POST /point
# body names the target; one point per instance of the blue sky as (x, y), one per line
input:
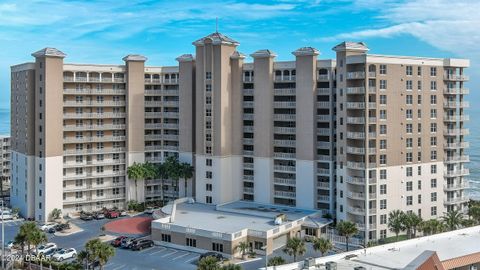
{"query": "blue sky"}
(105, 31)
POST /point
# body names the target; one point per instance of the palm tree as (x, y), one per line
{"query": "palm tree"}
(162, 174)
(104, 253)
(295, 246)
(187, 171)
(322, 244)
(347, 229)
(411, 223)
(396, 222)
(26, 229)
(82, 257)
(452, 219)
(274, 261)
(474, 212)
(56, 213)
(136, 171)
(173, 169)
(21, 240)
(36, 238)
(208, 263)
(243, 247)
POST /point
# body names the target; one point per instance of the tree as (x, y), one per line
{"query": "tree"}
(136, 172)
(295, 247)
(187, 171)
(431, 226)
(322, 244)
(474, 213)
(208, 263)
(20, 240)
(243, 247)
(396, 222)
(412, 223)
(26, 232)
(82, 257)
(36, 238)
(452, 219)
(56, 213)
(162, 174)
(97, 250)
(274, 261)
(347, 229)
(231, 267)
(173, 169)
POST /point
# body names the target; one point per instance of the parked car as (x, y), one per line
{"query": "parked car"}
(86, 216)
(46, 226)
(65, 254)
(112, 214)
(5, 214)
(218, 256)
(50, 253)
(141, 244)
(127, 242)
(9, 244)
(98, 215)
(149, 210)
(52, 230)
(117, 241)
(42, 249)
(123, 213)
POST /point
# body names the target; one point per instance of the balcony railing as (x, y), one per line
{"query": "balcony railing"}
(284, 117)
(456, 132)
(93, 139)
(283, 155)
(93, 127)
(323, 77)
(455, 173)
(284, 181)
(455, 91)
(284, 130)
(455, 77)
(94, 91)
(283, 92)
(286, 194)
(284, 168)
(456, 104)
(456, 145)
(93, 115)
(456, 200)
(356, 75)
(285, 143)
(355, 90)
(455, 118)
(457, 158)
(73, 103)
(454, 187)
(284, 104)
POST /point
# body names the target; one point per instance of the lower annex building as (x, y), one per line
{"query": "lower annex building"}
(356, 137)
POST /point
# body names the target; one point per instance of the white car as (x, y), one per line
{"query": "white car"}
(47, 226)
(5, 214)
(64, 254)
(46, 248)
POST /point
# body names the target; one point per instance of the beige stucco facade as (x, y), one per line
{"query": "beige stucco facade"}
(305, 133)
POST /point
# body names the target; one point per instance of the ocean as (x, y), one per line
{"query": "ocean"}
(473, 138)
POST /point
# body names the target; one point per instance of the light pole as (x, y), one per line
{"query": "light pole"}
(266, 256)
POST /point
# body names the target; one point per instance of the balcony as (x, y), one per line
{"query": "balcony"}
(247, 128)
(359, 165)
(248, 92)
(149, 92)
(248, 116)
(356, 105)
(456, 118)
(248, 104)
(170, 126)
(248, 178)
(356, 120)
(455, 77)
(93, 115)
(94, 151)
(285, 194)
(92, 79)
(284, 117)
(153, 137)
(153, 126)
(284, 155)
(247, 153)
(355, 75)
(85, 163)
(152, 148)
(456, 145)
(171, 92)
(153, 159)
(171, 81)
(356, 211)
(247, 141)
(456, 158)
(284, 143)
(93, 139)
(171, 103)
(284, 78)
(74, 91)
(362, 227)
(248, 79)
(284, 92)
(284, 168)
(248, 190)
(355, 90)
(153, 114)
(323, 185)
(248, 165)
(324, 145)
(456, 132)
(456, 200)
(456, 173)
(455, 187)
(151, 103)
(359, 180)
(360, 150)
(171, 115)
(323, 198)
(456, 91)
(170, 147)
(93, 127)
(323, 77)
(456, 104)
(324, 131)
(284, 181)
(170, 137)
(324, 158)
(95, 103)
(323, 171)
(324, 104)
(324, 118)
(284, 130)
(323, 91)
(284, 104)
(69, 176)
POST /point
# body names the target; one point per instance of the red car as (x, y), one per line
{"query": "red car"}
(112, 214)
(117, 241)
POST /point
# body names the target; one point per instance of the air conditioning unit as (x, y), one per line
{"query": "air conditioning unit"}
(308, 262)
(331, 266)
(359, 268)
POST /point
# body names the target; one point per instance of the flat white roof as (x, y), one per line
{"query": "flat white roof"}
(398, 255)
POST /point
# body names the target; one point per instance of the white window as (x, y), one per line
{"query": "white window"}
(433, 141)
(409, 142)
(383, 144)
(409, 128)
(409, 85)
(409, 200)
(409, 70)
(433, 71)
(409, 157)
(433, 169)
(383, 204)
(433, 155)
(383, 100)
(383, 159)
(409, 186)
(433, 85)
(383, 129)
(433, 197)
(433, 211)
(409, 99)
(383, 174)
(409, 171)
(433, 127)
(383, 219)
(383, 189)
(383, 114)
(409, 114)
(433, 99)
(433, 113)
(433, 183)
(419, 85)
(383, 69)
(383, 84)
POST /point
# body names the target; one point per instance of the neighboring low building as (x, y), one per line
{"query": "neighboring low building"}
(5, 167)
(185, 224)
(459, 250)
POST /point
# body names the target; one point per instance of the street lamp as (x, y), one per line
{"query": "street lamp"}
(266, 256)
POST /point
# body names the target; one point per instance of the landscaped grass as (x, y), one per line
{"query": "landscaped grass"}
(393, 239)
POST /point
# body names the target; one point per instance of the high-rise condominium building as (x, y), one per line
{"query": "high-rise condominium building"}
(356, 137)
(4, 167)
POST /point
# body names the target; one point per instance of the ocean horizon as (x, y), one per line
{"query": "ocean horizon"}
(473, 151)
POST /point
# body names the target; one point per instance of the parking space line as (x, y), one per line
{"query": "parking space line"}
(191, 259)
(181, 256)
(122, 266)
(158, 251)
(168, 254)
